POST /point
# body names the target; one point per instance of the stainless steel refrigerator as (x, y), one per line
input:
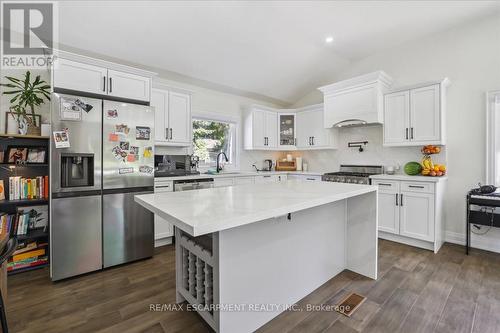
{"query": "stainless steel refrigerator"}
(101, 156)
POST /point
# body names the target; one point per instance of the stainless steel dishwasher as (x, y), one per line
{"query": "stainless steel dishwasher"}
(193, 184)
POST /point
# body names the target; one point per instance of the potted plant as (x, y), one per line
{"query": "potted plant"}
(27, 95)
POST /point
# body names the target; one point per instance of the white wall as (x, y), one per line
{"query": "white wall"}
(43, 110)
(470, 56)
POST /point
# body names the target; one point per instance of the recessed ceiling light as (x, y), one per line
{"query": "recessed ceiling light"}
(329, 39)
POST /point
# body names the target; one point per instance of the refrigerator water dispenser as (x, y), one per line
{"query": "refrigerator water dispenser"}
(77, 170)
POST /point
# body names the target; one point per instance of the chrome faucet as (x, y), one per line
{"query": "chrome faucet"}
(218, 167)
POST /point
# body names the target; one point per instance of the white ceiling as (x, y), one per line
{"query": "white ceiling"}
(274, 49)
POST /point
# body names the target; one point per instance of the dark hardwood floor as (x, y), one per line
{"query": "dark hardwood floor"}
(417, 291)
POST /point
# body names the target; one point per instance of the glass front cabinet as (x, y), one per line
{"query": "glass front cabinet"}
(287, 130)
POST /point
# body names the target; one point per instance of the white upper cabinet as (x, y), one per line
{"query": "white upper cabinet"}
(355, 101)
(415, 116)
(270, 129)
(261, 129)
(425, 115)
(77, 76)
(126, 85)
(396, 113)
(159, 100)
(310, 132)
(179, 117)
(172, 117)
(100, 79)
(287, 130)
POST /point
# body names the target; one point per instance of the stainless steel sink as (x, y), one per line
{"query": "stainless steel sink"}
(223, 173)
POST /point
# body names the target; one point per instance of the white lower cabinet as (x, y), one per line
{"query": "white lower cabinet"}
(410, 212)
(417, 215)
(223, 182)
(243, 180)
(163, 229)
(307, 178)
(266, 179)
(388, 203)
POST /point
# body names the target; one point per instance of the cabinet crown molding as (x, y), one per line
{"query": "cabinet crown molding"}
(443, 82)
(102, 63)
(370, 78)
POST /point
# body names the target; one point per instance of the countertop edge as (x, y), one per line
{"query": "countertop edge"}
(252, 218)
(427, 179)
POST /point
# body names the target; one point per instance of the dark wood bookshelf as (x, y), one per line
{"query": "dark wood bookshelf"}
(24, 202)
(27, 269)
(20, 136)
(33, 235)
(27, 170)
(24, 165)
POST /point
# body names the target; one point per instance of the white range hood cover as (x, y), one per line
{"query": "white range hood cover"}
(357, 101)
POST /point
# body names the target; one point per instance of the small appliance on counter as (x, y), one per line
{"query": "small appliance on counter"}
(175, 165)
(355, 174)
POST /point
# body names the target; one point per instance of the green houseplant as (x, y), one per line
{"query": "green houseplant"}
(26, 96)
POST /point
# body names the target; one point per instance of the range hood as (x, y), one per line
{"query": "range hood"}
(358, 101)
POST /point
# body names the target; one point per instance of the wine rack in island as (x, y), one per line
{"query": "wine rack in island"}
(24, 199)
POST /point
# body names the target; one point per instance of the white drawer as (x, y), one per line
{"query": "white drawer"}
(387, 185)
(223, 182)
(417, 187)
(243, 180)
(163, 186)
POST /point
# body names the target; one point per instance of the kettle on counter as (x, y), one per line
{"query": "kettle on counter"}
(268, 165)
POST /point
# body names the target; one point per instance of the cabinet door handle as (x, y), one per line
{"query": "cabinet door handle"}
(310, 179)
(110, 84)
(312, 140)
(401, 200)
(384, 184)
(415, 186)
(397, 199)
(309, 141)
(166, 133)
(295, 141)
(104, 83)
(171, 131)
(407, 133)
(411, 133)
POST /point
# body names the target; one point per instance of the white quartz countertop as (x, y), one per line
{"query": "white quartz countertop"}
(410, 178)
(205, 211)
(242, 174)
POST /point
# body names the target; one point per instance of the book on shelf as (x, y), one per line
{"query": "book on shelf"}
(21, 188)
(21, 223)
(30, 262)
(30, 254)
(23, 247)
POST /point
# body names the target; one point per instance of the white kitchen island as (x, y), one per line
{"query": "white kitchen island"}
(246, 253)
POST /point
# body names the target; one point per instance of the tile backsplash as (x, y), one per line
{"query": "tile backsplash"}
(374, 152)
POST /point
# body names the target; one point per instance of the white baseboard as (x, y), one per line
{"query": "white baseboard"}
(163, 241)
(488, 242)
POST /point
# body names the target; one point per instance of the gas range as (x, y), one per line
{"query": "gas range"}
(354, 174)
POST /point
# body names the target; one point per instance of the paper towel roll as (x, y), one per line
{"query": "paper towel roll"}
(298, 163)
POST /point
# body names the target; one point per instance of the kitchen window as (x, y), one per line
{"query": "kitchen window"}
(210, 137)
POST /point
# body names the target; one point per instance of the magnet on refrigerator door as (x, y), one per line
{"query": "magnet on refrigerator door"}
(142, 133)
